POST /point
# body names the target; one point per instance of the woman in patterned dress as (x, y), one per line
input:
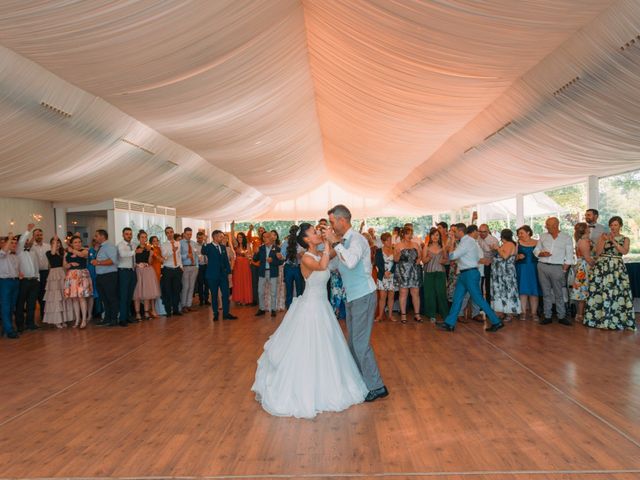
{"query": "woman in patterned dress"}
(77, 284)
(407, 257)
(610, 305)
(580, 287)
(505, 298)
(386, 267)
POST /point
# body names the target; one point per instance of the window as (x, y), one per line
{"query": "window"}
(620, 195)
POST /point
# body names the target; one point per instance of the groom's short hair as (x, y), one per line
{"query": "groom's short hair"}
(340, 211)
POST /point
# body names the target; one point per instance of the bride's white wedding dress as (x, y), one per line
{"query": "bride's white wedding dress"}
(306, 367)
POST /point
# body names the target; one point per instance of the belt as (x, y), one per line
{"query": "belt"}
(31, 278)
(552, 264)
(467, 269)
(125, 268)
(10, 278)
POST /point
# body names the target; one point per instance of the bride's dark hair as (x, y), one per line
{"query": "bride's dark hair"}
(302, 235)
(292, 243)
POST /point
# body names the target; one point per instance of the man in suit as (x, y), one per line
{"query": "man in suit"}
(270, 259)
(217, 274)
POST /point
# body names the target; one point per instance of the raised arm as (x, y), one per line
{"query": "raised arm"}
(310, 264)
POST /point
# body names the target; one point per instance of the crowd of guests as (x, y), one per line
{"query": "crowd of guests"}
(455, 271)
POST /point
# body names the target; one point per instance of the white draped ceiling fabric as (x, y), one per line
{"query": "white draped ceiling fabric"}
(279, 108)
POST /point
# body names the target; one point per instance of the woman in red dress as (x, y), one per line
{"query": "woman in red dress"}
(242, 283)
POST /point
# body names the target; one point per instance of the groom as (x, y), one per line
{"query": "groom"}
(355, 268)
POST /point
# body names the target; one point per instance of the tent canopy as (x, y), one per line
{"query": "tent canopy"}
(279, 108)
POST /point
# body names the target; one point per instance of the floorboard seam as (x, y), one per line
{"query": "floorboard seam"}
(68, 387)
(349, 475)
(558, 389)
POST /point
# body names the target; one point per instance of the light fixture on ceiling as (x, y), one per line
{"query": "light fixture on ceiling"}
(566, 86)
(57, 110)
(630, 43)
(133, 144)
(497, 131)
(172, 164)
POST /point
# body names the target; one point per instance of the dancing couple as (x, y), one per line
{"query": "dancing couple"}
(308, 366)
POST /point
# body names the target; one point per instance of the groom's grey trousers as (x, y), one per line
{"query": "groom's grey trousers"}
(360, 313)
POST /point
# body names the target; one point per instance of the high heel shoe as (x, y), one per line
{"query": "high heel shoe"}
(83, 324)
(418, 319)
(403, 318)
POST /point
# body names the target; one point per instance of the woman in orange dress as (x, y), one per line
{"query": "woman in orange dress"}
(242, 281)
(156, 260)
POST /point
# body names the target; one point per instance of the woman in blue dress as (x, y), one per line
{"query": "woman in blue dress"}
(527, 271)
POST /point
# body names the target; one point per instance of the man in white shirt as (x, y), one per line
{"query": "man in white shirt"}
(555, 255)
(127, 278)
(468, 256)
(488, 243)
(9, 283)
(29, 282)
(40, 247)
(171, 280)
(595, 229)
(354, 255)
(189, 255)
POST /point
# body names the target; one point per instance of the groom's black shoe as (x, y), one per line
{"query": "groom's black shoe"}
(229, 316)
(495, 327)
(260, 313)
(446, 327)
(377, 393)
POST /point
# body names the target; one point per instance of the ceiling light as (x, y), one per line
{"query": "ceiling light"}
(146, 150)
(566, 86)
(57, 110)
(497, 131)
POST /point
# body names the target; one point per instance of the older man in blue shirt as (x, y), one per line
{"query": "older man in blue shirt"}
(106, 264)
(468, 256)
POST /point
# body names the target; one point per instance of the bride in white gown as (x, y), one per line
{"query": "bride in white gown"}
(306, 367)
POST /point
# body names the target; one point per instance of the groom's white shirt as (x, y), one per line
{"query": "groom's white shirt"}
(358, 249)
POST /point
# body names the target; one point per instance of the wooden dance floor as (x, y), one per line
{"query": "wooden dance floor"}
(171, 398)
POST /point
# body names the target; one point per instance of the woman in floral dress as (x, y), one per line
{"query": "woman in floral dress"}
(386, 267)
(580, 287)
(505, 298)
(610, 305)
